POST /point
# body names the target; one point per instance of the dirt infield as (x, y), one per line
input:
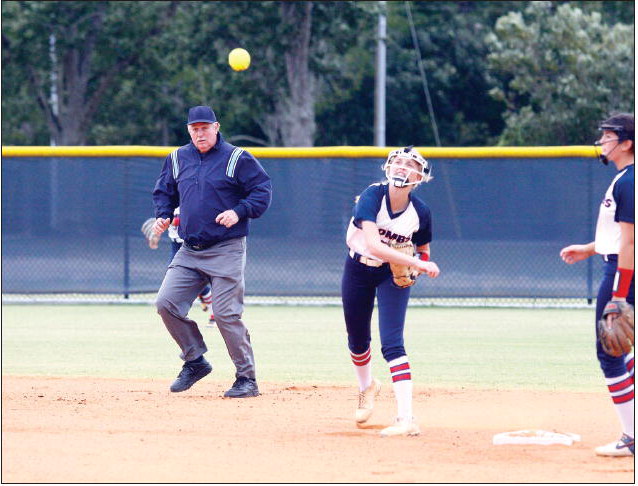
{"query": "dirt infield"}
(99, 430)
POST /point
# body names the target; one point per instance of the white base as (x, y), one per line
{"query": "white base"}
(537, 437)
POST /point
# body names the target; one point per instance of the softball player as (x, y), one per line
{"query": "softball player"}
(385, 212)
(615, 242)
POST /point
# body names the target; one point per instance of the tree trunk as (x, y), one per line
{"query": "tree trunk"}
(293, 123)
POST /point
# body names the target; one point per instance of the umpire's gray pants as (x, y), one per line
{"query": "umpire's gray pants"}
(223, 266)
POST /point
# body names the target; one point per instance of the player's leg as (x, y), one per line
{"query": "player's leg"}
(205, 298)
(393, 304)
(618, 374)
(358, 288)
(174, 299)
(206, 301)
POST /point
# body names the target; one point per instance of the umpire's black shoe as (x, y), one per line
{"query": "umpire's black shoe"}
(243, 388)
(190, 374)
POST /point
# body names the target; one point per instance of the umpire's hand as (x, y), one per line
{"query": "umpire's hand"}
(227, 218)
(161, 225)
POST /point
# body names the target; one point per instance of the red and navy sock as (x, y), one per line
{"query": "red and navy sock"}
(363, 368)
(402, 386)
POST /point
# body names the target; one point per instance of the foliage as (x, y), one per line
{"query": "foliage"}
(450, 39)
(94, 45)
(559, 71)
(127, 71)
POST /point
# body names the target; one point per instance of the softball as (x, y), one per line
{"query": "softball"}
(239, 59)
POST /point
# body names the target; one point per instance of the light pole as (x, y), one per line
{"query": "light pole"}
(379, 85)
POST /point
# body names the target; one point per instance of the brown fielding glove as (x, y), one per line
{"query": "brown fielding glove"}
(151, 238)
(403, 275)
(617, 338)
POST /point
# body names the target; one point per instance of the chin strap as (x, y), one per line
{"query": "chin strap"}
(398, 182)
(602, 157)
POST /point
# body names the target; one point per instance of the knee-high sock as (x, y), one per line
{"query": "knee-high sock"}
(402, 386)
(207, 296)
(363, 367)
(621, 389)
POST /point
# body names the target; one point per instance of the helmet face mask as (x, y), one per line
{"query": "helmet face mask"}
(398, 180)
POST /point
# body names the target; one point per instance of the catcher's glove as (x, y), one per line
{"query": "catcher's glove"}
(151, 238)
(617, 337)
(403, 275)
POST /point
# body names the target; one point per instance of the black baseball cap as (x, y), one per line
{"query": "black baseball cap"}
(201, 114)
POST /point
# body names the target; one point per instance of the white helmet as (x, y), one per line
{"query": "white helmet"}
(402, 181)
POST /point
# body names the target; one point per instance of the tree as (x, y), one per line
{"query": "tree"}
(300, 62)
(450, 40)
(85, 46)
(127, 75)
(150, 70)
(559, 70)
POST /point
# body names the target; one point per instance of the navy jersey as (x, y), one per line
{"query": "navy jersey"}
(413, 224)
(616, 206)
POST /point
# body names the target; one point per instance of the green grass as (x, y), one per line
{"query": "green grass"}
(447, 347)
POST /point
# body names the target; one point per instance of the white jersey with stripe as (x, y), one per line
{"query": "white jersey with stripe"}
(412, 224)
(172, 229)
(607, 240)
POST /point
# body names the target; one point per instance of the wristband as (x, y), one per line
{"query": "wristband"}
(424, 256)
(622, 282)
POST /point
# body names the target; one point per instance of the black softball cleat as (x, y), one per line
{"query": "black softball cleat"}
(191, 373)
(243, 388)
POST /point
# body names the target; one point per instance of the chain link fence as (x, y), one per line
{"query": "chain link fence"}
(71, 227)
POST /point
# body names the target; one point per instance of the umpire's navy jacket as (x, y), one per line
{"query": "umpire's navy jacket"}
(204, 185)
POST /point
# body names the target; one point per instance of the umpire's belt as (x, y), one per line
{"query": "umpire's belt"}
(198, 247)
(365, 260)
(610, 258)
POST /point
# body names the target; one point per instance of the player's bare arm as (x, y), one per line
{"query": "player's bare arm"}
(625, 263)
(161, 225)
(424, 256)
(424, 250)
(576, 253)
(387, 254)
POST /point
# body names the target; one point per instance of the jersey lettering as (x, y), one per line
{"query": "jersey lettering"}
(373, 205)
(393, 236)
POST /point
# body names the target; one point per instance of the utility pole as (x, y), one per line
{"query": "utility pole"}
(380, 75)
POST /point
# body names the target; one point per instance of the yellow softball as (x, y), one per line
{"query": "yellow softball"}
(239, 59)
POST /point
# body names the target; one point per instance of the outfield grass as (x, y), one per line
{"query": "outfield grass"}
(447, 347)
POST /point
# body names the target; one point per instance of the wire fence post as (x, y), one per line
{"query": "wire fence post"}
(590, 224)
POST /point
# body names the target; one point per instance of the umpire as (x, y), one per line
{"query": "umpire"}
(218, 187)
